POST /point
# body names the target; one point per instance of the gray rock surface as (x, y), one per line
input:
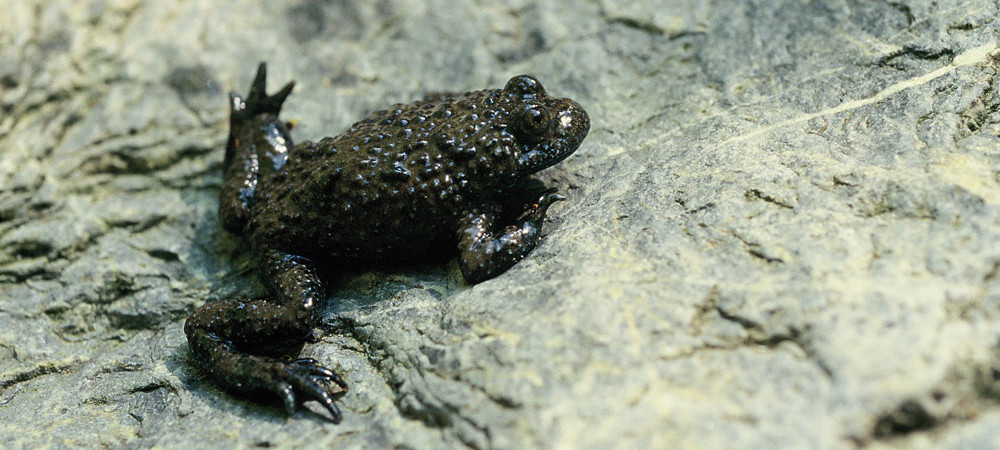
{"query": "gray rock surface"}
(782, 232)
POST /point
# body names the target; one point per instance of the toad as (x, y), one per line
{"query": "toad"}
(403, 183)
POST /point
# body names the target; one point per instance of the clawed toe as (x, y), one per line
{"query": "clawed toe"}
(548, 197)
(287, 397)
(538, 209)
(312, 367)
(320, 394)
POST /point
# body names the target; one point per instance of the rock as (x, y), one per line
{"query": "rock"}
(783, 230)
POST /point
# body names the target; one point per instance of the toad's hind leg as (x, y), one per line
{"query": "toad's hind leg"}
(248, 346)
(258, 143)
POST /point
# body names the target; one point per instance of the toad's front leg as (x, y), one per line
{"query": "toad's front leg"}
(486, 252)
(248, 346)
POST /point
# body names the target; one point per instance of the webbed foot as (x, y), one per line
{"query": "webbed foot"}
(257, 101)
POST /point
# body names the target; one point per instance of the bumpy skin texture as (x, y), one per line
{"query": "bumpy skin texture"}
(402, 183)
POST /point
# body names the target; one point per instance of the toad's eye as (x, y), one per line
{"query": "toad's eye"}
(532, 121)
(524, 86)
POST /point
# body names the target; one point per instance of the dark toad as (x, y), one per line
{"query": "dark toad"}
(402, 183)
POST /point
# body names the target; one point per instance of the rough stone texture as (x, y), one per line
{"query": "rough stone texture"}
(783, 230)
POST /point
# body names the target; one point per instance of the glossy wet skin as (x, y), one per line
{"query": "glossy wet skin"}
(415, 179)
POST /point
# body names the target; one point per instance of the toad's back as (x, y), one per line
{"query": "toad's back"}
(393, 185)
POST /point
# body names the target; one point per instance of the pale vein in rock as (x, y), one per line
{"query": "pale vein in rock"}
(969, 57)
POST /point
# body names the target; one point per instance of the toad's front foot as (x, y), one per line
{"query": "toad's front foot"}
(486, 253)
